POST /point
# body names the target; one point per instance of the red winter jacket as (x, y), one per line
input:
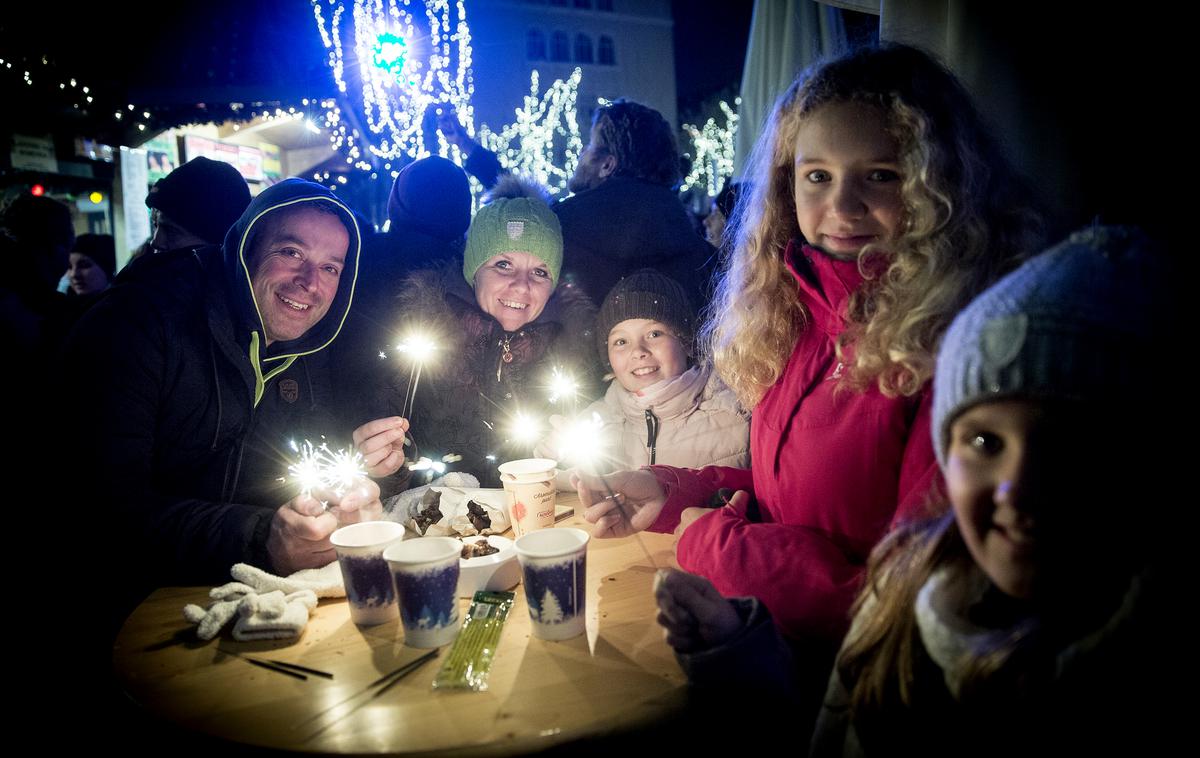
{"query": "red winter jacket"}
(832, 470)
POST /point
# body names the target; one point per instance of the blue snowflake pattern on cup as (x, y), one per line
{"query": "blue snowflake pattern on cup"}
(368, 581)
(556, 593)
(428, 598)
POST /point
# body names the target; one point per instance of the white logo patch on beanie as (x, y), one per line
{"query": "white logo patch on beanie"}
(516, 229)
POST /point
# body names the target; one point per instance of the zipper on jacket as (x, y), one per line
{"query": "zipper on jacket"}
(506, 355)
(651, 433)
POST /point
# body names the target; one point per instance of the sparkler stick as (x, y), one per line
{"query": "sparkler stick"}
(418, 347)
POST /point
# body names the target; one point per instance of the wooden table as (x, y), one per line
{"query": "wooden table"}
(619, 676)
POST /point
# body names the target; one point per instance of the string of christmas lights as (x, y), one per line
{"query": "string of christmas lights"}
(394, 61)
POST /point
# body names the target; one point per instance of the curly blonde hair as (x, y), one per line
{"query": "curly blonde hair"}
(966, 221)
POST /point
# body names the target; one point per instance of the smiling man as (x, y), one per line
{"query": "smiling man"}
(208, 368)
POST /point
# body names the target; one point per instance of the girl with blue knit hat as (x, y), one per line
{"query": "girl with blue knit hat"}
(1018, 616)
(501, 325)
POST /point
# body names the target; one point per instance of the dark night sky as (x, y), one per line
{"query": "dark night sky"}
(270, 49)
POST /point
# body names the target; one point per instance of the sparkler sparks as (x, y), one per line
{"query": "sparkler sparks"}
(580, 442)
(418, 348)
(562, 386)
(318, 467)
(525, 429)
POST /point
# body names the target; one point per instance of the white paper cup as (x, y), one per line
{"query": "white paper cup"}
(369, 587)
(554, 565)
(529, 486)
(425, 572)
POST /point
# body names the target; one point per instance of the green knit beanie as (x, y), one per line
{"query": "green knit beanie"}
(514, 224)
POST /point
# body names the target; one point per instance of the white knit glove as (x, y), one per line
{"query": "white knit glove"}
(322, 582)
(273, 616)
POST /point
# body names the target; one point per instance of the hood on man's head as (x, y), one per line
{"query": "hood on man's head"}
(290, 194)
(203, 196)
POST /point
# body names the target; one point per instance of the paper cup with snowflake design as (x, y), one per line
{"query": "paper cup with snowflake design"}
(369, 587)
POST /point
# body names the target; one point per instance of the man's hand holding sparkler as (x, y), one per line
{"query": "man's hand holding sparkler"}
(381, 444)
(300, 529)
(641, 500)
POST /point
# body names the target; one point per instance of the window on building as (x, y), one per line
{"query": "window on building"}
(604, 5)
(608, 55)
(583, 48)
(560, 47)
(535, 45)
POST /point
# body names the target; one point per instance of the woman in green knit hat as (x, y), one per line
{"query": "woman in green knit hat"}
(502, 326)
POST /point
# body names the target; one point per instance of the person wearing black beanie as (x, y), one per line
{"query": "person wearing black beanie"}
(93, 260)
(196, 204)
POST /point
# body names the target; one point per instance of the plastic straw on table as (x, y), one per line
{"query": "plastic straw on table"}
(470, 658)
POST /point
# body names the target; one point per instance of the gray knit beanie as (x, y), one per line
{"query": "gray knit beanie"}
(650, 295)
(1075, 322)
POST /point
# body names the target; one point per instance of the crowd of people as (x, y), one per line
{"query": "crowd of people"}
(869, 407)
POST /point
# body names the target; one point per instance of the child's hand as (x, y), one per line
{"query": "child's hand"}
(641, 499)
(693, 614)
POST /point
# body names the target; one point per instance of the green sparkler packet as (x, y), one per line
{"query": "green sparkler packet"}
(470, 658)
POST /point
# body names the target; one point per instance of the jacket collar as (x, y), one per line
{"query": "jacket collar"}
(825, 284)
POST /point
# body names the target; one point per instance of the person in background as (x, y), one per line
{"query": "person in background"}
(624, 214)
(92, 262)
(724, 206)
(190, 208)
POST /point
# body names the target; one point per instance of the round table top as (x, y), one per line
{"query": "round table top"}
(620, 675)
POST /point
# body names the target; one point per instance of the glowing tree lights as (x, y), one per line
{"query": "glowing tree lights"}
(392, 59)
(713, 151)
(544, 141)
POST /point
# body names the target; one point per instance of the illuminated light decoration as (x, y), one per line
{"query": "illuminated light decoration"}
(390, 64)
(37, 190)
(712, 153)
(544, 142)
(96, 198)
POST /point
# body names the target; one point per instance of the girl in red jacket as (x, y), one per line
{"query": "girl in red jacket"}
(880, 206)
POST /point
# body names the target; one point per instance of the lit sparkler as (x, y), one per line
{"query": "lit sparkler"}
(318, 467)
(524, 428)
(418, 348)
(581, 443)
(562, 386)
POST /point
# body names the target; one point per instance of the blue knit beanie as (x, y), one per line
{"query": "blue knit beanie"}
(1075, 322)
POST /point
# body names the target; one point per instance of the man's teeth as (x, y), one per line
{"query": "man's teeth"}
(645, 370)
(294, 304)
(511, 304)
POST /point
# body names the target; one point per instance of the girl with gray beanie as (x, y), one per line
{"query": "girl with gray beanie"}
(1018, 617)
(1023, 611)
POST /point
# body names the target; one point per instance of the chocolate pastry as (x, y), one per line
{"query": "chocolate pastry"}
(429, 511)
(478, 549)
(478, 516)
